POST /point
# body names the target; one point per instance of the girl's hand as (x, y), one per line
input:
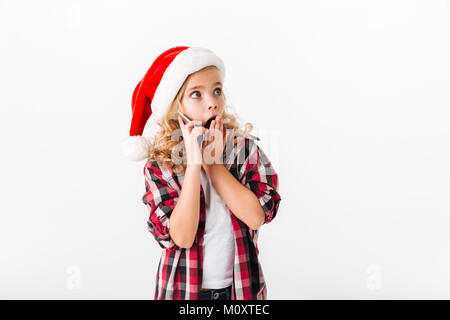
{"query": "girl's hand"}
(191, 132)
(213, 150)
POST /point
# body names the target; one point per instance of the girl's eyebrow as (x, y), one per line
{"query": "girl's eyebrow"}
(198, 87)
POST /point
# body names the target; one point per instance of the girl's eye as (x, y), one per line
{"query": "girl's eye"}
(220, 91)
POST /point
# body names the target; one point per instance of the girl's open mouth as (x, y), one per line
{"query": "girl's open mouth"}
(208, 123)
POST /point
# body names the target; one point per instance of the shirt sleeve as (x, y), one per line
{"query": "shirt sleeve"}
(261, 178)
(160, 198)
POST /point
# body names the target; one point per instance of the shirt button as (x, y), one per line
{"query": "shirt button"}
(216, 295)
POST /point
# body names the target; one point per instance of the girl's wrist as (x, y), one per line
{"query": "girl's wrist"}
(193, 166)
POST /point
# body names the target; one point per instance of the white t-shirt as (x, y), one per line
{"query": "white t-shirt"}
(218, 241)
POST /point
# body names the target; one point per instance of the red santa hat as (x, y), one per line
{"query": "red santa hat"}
(154, 94)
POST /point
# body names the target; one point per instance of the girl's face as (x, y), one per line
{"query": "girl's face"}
(203, 97)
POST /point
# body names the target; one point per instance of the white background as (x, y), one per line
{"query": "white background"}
(351, 99)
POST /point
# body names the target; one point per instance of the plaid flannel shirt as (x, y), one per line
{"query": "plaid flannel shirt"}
(179, 274)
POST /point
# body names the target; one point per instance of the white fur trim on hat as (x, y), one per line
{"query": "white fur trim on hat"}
(135, 148)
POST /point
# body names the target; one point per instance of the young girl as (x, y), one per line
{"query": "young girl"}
(209, 187)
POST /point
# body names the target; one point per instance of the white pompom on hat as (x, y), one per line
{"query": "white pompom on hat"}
(154, 94)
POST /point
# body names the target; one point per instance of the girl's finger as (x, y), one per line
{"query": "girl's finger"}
(182, 126)
(191, 124)
(212, 130)
(219, 123)
(219, 128)
(216, 124)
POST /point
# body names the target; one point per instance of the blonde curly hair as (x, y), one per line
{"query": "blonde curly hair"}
(162, 144)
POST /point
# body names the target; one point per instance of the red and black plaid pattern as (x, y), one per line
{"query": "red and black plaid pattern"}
(179, 273)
